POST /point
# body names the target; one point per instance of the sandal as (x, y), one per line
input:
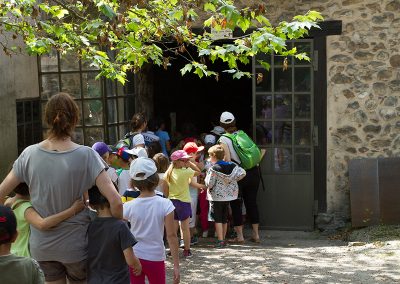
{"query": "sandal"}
(236, 241)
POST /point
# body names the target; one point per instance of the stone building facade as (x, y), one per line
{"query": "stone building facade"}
(363, 87)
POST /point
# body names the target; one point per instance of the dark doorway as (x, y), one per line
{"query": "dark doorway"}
(201, 101)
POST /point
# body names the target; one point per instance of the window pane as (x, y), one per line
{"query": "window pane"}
(77, 136)
(37, 134)
(48, 62)
(79, 103)
(283, 133)
(283, 159)
(112, 111)
(93, 135)
(21, 139)
(264, 107)
(28, 111)
(113, 134)
(263, 81)
(283, 106)
(278, 59)
(302, 160)
(50, 86)
(122, 130)
(110, 88)
(20, 112)
(120, 89)
(86, 65)
(69, 62)
(302, 133)
(264, 132)
(283, 80)
(36, 110)
(93, 112)
(28, 134)
(71, 84)
(91, 86)
(43, 113)
(303, 47)
(121, 109)
(302, 79)
(302, 106)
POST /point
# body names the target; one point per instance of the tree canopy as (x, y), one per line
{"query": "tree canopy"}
(149, 31)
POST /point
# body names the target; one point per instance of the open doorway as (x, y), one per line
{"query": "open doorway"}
(201, 101)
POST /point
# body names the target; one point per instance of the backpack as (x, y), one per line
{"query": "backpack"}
(246, 149)
(126, 141)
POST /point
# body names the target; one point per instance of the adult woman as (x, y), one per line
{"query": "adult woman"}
(248, 186)
(58, 172)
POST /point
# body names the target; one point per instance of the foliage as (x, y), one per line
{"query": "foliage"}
(142, 31)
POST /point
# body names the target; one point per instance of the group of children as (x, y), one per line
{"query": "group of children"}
(160, 196)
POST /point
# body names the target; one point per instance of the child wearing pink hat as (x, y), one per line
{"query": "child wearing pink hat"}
(178, 177)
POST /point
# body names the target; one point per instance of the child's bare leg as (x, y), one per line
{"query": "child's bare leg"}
(186, 233)
(220, 233)
(224, 230)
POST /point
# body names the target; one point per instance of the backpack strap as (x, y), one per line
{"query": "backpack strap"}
(230, 136)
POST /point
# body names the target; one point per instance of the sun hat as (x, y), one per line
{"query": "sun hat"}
(192, 147)
(8, 224)
(226, 117)
(209, 139)
(218, 130)
(101, 148)
(142, 168)
(138, 152)
(179, 155)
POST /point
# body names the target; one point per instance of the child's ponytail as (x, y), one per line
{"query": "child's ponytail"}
(168, 173)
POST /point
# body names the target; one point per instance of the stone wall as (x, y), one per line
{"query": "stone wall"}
(363, 67)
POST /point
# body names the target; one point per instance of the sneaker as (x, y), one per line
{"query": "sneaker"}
(194, 240)
(181, 244)
(220, 244)
(187, 253)
(205, 234)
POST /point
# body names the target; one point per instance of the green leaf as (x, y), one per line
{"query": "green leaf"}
(107, 11)
(264, 64)
(209, 7)
(187, 68)
(84, 40)
(61, 13)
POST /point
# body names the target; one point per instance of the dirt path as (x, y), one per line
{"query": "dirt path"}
(293, 257)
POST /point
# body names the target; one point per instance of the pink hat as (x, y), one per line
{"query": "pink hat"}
(179, 155)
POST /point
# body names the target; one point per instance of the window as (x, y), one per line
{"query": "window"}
(104, 107)
(284, 110)
(28, 123)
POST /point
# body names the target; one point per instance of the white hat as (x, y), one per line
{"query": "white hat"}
(138, 139)
(209, 139)
(218, 130)
(226, 117)
(138, 152)
(142, 168)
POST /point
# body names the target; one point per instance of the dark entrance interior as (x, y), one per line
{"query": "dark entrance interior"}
(201, 101)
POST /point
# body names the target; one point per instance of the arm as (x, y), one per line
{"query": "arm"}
(227, 156)
(33, 217)
(108, 190)
(165, 188)
(196, 184)
(132, 260)
(9, 183)
(194, 167)
(173, 244)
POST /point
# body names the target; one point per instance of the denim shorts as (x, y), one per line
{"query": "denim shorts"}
(183, 210)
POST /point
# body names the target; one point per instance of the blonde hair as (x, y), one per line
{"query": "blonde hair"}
(168, 173)
(217, 151)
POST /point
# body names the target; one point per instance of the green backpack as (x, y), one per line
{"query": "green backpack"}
(247, 150)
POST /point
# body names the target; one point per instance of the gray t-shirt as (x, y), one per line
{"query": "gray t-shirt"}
(56, 180)
(18, 269)
(108, 238)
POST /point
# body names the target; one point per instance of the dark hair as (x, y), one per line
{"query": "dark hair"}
(229, 127)
(61, 115)
(22, 189)
(8, 225)
(148, 184)
(138, 119)
(162, 162)
(152, 125)
(153, 148)
(96, 199)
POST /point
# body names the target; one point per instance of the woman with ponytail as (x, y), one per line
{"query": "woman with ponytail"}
(58, 172)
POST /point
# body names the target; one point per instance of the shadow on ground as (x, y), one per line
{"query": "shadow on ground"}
(292, 257)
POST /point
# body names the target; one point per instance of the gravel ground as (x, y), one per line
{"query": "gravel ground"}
(293, 257)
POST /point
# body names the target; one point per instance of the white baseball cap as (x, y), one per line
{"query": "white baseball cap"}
(142, 168)
(209, 139)
(226, 117)
(138, 152)
(218, 130)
